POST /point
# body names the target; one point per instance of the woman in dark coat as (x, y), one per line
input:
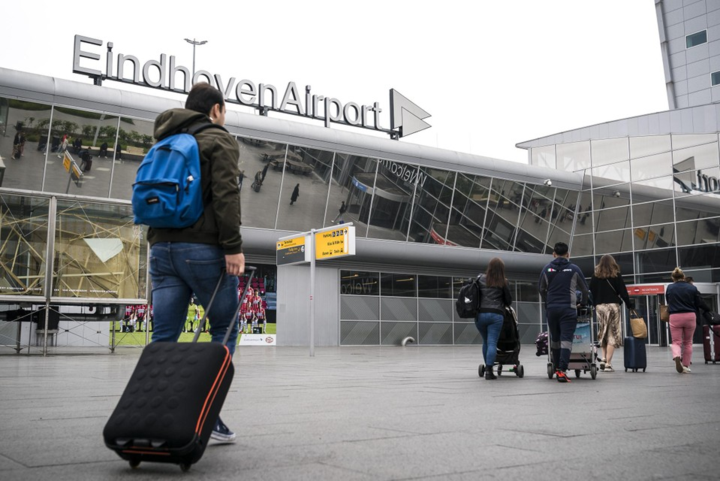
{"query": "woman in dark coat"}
(295, 194)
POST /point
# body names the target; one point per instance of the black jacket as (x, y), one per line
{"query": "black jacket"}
(610, 291)
(559, 282)
(219, 171)
(682, 297)
(493, 299)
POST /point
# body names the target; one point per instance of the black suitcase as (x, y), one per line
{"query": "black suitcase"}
(169, 407)
(711, 343)
(634, 353)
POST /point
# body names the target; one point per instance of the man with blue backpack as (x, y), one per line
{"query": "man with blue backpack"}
(187, 191)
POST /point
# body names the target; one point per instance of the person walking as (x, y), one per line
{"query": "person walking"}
(341, 211)
(194, 259)
(558, 283)
(608, 292)
(295, 194)
(683, 301)
(264, 172)
(494, 297)
(63, 147)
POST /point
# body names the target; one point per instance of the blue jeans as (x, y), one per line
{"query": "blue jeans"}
(177, 270)
(490, 325)
(562, 322)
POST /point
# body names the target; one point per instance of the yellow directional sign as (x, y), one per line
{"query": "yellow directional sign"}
(292, 251)
(335, 243)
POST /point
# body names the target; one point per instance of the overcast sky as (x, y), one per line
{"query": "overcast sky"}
(491, 73)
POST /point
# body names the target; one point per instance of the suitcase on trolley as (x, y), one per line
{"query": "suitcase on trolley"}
(169, 407)
(711, 343)
(634, 353)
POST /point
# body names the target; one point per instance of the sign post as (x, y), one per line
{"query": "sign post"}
(72, 168)
(318, 244)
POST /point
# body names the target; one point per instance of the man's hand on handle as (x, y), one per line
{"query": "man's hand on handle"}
(235, 264)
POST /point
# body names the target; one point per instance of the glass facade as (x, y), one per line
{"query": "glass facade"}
(652, 202)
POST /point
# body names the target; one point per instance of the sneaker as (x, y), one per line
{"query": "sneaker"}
(678, 365)
(562, 376)
(608, 368)
(686, 370)
(222, 433)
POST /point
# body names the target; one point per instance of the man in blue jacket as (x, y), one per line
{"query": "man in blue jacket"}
(558, 284)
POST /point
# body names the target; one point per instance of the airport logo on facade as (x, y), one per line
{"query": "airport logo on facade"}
(405, 117)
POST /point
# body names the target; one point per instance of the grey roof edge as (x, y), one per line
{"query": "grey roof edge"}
(35, 87)
(688, 120)
(406, 254)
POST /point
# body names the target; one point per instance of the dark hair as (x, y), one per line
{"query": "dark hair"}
(495, 273)
(203, 97)
(689, 279)
(607, 267)
(560, 249)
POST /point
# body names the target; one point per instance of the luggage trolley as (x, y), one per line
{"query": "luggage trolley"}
(583, 357)
(508, 347)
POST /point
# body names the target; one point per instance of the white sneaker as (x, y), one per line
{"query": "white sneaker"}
(686, 370)
(608, 368)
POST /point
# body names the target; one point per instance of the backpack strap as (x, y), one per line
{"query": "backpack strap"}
(197, 128)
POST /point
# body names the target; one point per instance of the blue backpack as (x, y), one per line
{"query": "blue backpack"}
(167, 192)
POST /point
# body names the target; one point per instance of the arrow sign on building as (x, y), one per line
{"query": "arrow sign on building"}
(405, 115)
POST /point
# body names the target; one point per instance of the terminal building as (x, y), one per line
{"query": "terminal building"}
(644, 189)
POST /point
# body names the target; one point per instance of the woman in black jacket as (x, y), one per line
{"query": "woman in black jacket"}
(683, 301)
(495, 295)
(608, 292)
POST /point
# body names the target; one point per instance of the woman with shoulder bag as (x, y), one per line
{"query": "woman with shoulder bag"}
(683, 301)
(495, 296)
(608, 292)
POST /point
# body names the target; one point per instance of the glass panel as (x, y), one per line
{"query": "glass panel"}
(609, 150)
(653, 190)
(612, 219)
(696, 158)
(652, 166)
(582, 245)
(503, 215)
(527, 292)
(435, 287)
(613, 173)
(99, 252)
(307, 174)
(467, 215)
(394, 188)
(653, 213)
(400, 285)
(696, 39)
(23, 140)
(698, 206)
(543, 156)
(683, 141)
(353, 181)
(429, 213)
(654, 237)
(649, 145)
(656, 261)
(533, 232)
(572, 157)
(360, 283)
(558, 234)
(693, 182)
(615, 241)
(266, 161)
(625, 261)
(135, 137)
(23, 227)
(611, 197)
(705, 231)
(706, 256)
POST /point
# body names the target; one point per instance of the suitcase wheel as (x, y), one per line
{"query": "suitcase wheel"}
(625, 369)
(134, 463)
(185, 467)
(520, 372)
(481, 370)
(643, 369)
(577, 373)
(499, 370)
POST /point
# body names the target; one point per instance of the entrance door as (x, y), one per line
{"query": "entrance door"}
(648, 308)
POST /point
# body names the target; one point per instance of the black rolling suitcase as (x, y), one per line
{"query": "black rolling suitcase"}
(634, 353)
(173, 398)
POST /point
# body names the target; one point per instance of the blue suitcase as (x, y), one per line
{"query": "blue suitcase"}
(635, 356)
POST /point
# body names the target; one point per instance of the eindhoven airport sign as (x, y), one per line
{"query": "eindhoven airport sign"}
(405, 117)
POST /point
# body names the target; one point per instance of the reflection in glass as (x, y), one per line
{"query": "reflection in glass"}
(307, 173)
(359, 283)
(394, 189)
(704, 231)
(574, 156)
(614, 241)
(663, 261)
(134, 139)
(612, 219)
(99, 252)
(398, 285)
(651, 167)
(435, 287)
(654, 189)
(353, 181)
(430, 214)
(696, 158)
(264, 160)
(23, 229)
(612, 173)
(503, 215)
(23, 143)
(706, 256)
(649, 213)
(682, 141)
(654, 237)
(468, 212)
(533, 232)
(608, 151)
(649, 145)
(692, 183)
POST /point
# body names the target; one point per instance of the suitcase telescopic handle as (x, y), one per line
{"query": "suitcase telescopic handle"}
(250, 269)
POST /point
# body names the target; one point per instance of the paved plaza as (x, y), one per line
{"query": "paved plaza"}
(378, 413)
